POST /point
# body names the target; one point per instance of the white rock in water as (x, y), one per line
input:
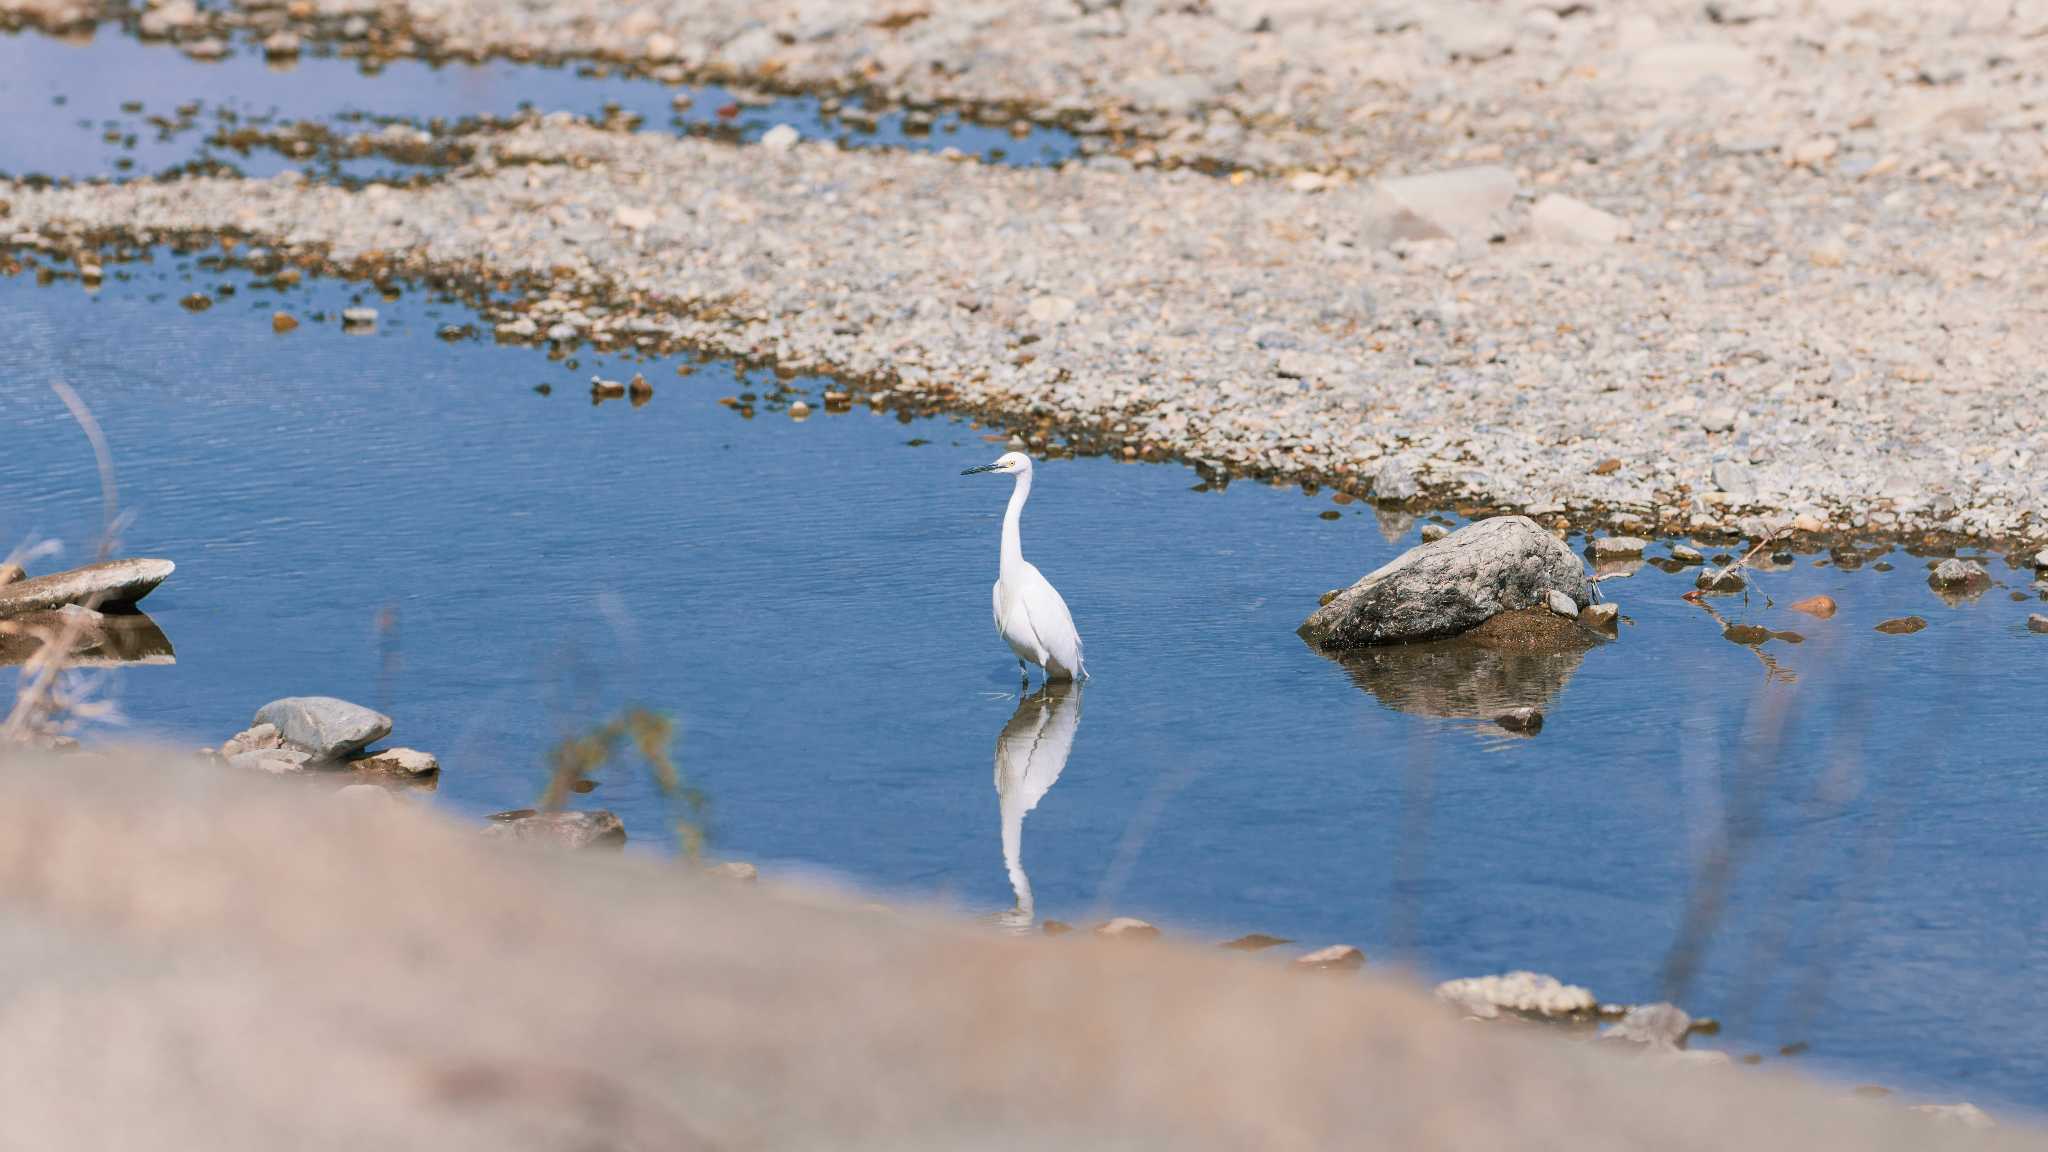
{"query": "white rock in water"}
(780, 138)
(521, 329)
(358, 317)
(1463, 203)
(1601, 615)
(1618, 547)
(1563, 220)
(1529, 992)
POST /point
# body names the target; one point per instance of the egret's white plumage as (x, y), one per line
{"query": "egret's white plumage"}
(1030, 614)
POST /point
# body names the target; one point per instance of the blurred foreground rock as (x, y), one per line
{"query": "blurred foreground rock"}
(227, 963)
(109, 584)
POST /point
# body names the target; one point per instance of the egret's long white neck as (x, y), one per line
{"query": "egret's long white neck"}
(1013, 545)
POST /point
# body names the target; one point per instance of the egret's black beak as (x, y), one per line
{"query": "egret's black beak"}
(983, 468)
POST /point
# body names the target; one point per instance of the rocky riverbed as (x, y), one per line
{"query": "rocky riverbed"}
(1725, 267)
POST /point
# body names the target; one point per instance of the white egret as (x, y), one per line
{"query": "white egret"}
(1030, 615)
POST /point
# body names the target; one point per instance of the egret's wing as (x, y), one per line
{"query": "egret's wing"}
(1053, 623)
(996, 603)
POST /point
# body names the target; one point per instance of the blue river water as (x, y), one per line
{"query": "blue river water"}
(1836, 842)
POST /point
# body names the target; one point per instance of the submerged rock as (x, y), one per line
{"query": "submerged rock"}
(1521, 993)
(1903, 626)
(1721, 580)
(2036, 622)
(1525, 720)
(1822, 607)
(327, 727)
(1452, 585)
(574, 830)
(1655, 1025)
(1254, 942)
(107, 584)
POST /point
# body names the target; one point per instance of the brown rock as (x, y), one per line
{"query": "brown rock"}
(1820, 606)
(1607, 467)
(1903, 626)
(283, 322)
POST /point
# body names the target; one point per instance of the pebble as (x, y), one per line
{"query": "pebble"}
(1433, 532)
(1687, 554)
(1336, 957)
(1563, 220)
(1254, 942)
(281, 46)
(283, 322)
(2036, 622)
(1524, 719)
(1561, 604)
(780, 138)
(1127, 927)
(1604, 616)
(398, 762)
(1720, 418)
(1618, 547)
(1955, 574)
(799, 410)
(1902, 626)
(1822, 607)
(601, 387)
(358, 317)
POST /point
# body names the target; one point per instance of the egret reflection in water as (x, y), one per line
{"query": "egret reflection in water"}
(1031, 753)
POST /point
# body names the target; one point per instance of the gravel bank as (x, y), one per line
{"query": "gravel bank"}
(1716, 367)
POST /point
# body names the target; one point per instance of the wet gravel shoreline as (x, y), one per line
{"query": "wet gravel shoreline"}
(1669, 318)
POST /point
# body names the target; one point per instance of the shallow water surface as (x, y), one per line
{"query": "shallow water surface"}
(1833, 842)
(64, 96)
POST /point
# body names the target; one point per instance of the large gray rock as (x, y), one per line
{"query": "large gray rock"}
(1454, 584)
(107, 584)
(596, 829)
(324, 726)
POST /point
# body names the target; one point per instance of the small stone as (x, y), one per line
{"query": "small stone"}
(210, 48)
(1964, 1114)
(1051, 309)
(780, 138)
(1524, 993)
(197, 302)
(1903, 626)
(1734, 479)
(273, 760)
(1463, 203)
(1618, 547)
(253, 739)
(1807, 522)
(573, 830)
(1813, 153)
(1434, 532)
(799, 410)
(562, 333)
(735, 870)
(1562, 220)
(2036, 622)
(639, 388)
(1254, 942)
(1393, 482)
(281, 46)
(1524, 719)
(1561, 604)
(1957, 574)
(1720, 418)
(1687, 554)
(283, 322)
(397, 762)
(9, 573)
(1656, 1025)
(1127, 927)
(324, 726)
(1607, 467)
(358, 317)
(633, 217)
(1719, 580)
(1337, 957)
(601, 387)
(1603, 616)
(1822, 607)
(522, 328)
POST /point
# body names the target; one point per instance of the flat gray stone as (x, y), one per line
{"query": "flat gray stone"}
(1443, 588)
(107, 584)
(1953, 573)
(1618, 547)
(574, 830)
(1562, 604)
(327, 727)
(1656, 1025)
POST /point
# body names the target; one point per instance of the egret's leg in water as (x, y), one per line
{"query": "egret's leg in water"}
(1023, 673)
